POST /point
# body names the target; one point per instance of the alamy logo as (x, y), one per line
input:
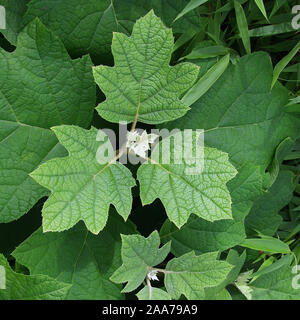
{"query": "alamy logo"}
(2, 18)
(296, 279)
(2, 278)
(182, 147)
(296, 19)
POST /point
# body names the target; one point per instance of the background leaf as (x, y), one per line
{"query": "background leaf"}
(40, 86)
(78, 257)
(23, 287)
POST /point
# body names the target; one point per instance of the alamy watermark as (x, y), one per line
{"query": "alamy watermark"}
(296, 18)
(174, 147)
(2, 278)
(2, 18)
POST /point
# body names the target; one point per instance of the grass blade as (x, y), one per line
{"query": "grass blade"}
(261, 7)
(205, 82)
(284, 62)
(207, 52)
(242, 26)
(189, 7)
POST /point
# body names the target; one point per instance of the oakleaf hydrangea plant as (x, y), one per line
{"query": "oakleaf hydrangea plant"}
(197, 198)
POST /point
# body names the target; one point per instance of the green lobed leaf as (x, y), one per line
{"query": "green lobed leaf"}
(82, 188)
(138, 255)
(40, 86)
(204, 236)
(205, 193)
(191, 274)
(142, 86)
(37, 287)
(78, 257)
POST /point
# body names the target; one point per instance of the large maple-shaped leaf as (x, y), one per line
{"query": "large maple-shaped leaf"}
(191, 274)
(78, 257)
(142, 86)
(204, 194)
(24, 287)
(204, 236)
(138, 255)
(82, 188)
(40, 86)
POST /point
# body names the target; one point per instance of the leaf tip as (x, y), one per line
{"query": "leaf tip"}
(151, 12)
(56, 129)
